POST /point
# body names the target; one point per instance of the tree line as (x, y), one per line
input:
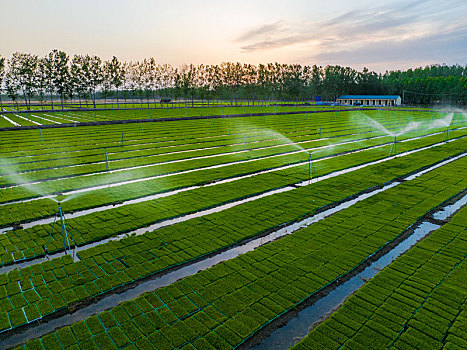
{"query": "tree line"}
(57, 76)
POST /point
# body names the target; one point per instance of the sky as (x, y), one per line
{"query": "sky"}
(380, 35)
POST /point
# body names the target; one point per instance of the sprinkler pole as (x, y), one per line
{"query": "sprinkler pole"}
(229, 129)
(141, 124)
(40, 130)
(64, 233)
(309, 168)
(319, 133)
(394, 146)
(107, 166)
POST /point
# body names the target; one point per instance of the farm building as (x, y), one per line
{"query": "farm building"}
(370, 100)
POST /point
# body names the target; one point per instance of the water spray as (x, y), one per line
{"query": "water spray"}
(66, 235)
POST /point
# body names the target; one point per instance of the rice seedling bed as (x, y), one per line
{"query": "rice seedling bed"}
(416, 302)
(95, 226)
(223, 306)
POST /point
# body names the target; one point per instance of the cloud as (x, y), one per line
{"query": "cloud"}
(443, 47)
(265, 29)
(398, 25)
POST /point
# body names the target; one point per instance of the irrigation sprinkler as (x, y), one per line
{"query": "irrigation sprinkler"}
(319, 134)
(75, 126)
(447, 136)
(66, 234)
(229, 130)
(394, 147)
(107, 165)
(141, 124)
(311, 168)
(40, 130)
(121, 140)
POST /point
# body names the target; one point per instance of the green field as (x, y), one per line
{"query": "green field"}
(142, 200)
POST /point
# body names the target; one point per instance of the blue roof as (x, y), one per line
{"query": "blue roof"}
(369, 97)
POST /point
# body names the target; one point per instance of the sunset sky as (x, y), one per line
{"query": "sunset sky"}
(379, 35)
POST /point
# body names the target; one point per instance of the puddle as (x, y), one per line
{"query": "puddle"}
(449, 210)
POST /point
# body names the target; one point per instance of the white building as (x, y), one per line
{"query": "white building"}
(370, 100)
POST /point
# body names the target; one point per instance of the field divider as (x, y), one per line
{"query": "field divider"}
(79, 212)
(168, 119)
(110, 161)
(178, 172)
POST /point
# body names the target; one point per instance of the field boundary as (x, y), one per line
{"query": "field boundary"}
(166, 119)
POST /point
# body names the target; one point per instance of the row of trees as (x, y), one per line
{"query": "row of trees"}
(74, 79)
